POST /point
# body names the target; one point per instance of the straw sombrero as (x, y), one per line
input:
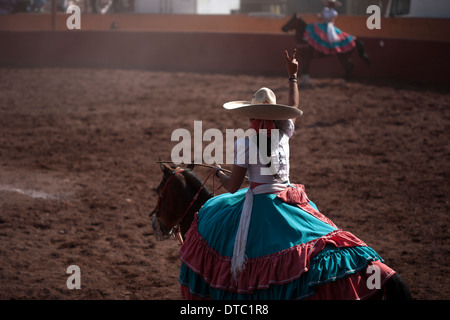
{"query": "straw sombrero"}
(336, 3)
(263, 106)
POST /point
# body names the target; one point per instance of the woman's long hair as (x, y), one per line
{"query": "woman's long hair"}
(268, 125)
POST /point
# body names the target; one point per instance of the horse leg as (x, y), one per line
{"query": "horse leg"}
(305, 60)
(396, 289)
(362, 52)
(344, 59)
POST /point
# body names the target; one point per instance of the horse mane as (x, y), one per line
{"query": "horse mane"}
(194, 181)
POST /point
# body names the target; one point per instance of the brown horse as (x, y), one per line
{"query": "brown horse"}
(181, 194)
(307, 52)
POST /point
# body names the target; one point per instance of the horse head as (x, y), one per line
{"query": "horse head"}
(180, 195)
(298, 24)
(295, 23)
(290, 25)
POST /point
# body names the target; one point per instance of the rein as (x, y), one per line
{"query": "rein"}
(175, 231)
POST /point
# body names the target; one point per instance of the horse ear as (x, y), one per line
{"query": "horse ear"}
(160, 163)
(191, 166)
(165, 168)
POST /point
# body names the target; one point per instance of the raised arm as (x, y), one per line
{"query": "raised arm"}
(292, 69)
(234, 181)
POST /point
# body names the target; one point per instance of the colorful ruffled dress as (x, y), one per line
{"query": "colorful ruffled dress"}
(292, 251)
(326, 38)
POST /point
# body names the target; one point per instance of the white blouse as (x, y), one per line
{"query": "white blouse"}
(246, 155)
(328, 14)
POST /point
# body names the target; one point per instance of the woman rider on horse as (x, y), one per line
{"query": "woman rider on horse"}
(326, 39)
(269, 241)
(324, 36)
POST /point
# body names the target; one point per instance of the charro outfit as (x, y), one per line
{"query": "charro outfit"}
(326, 38)
(269, 241)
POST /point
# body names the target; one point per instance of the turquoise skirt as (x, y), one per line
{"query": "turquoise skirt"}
(316, 36)
(289, 251)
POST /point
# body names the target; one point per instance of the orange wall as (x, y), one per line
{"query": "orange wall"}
(249, 53)
(403, 28)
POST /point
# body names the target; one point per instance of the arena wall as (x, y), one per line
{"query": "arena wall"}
(398, 28)
(258, 53)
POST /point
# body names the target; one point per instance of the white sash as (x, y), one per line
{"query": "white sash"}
(238, 259)
(331, 33)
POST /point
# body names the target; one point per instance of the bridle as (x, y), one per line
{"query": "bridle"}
(160, 229)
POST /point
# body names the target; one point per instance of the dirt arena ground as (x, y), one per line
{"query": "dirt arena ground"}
(77, 172)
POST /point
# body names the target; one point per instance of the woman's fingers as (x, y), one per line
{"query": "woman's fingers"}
(289, 59)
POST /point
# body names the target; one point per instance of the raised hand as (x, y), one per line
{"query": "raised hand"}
(291, 64)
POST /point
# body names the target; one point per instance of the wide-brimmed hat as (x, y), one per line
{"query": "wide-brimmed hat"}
(263, 106)
(336, 3)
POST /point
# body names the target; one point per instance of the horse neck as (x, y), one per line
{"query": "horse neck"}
(186, 191)
(194, 185)
(300, 29)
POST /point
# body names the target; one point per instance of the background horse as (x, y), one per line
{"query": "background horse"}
(308, 52)
(181, 194)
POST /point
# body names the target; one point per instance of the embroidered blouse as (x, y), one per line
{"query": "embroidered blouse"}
(328, 14)
(246, 155)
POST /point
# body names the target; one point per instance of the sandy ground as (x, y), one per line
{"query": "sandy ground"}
(77, 172)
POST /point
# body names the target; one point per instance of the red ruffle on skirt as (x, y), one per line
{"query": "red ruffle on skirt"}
(297, 196)
(324, 38)
(259, 273)
(187, 295)
(356, 286)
